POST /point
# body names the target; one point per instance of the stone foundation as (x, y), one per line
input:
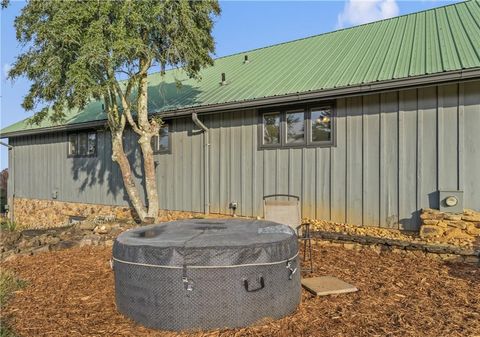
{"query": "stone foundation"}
(34, 213)
(457, 229)
(445, 236)
(406, 248)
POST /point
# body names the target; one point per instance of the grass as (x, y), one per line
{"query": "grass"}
(8, 225)
(5, 331)
(9, 283)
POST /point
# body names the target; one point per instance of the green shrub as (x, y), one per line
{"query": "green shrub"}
(8, 284)
(5, 330)
(7, 225)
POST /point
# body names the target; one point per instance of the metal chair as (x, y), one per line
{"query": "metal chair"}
(287, 212)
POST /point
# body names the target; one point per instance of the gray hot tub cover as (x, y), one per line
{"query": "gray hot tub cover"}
(206, 242)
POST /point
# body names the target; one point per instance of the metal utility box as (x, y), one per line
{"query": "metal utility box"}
(451, 201)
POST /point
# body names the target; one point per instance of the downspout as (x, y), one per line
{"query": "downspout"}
(206, 166)
(12, 179)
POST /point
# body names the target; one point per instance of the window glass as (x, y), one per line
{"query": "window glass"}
(72, 144)
(295, 127)
(154, 142)
(164, 138)
(321, 125)
(92, 144)
(161, 142)
(271, 128)
(82, 144)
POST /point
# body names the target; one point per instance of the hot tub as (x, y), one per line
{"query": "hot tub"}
(206, 274)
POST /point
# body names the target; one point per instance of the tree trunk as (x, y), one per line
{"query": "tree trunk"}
(150, 177)
(145, 130)
(149, 129)
(118, 155)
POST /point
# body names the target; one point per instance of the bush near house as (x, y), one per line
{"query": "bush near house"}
(9, 283)
(3, 190)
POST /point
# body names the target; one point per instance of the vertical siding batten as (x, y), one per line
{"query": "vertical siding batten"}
(471, 157)
(354, 165)
(371, 162)
(408, 154)
(338, 166)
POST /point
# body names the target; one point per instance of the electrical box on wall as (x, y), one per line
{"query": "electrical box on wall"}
(451, 201)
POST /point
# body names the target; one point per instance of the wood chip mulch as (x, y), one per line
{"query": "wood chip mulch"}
(71, 293)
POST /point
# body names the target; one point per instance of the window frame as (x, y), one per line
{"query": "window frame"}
(77, 135)
(307, 108)
(168, 150)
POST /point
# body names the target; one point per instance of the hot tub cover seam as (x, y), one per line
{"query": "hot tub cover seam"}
(205, 267)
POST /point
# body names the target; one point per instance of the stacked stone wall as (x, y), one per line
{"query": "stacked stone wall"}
(35, 213)
(458, 229)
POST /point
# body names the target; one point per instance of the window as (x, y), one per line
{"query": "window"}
(72, 144)
(271, 128)
(92, 144)
(304, 125)
(82, 144)
(295, 127)
(321, 129)
(161, 143)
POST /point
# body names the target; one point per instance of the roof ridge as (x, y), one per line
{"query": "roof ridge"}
(326, 33)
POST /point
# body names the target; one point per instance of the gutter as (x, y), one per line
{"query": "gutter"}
(11, 177)
(198, 122)
(6, 145)
(56, 128)
(206, 162)
(348, 91)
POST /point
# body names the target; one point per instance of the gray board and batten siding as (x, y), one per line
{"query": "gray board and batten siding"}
(393, 152)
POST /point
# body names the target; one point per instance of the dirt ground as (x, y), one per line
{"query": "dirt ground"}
(71, 293)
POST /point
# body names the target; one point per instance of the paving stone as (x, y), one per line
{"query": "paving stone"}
(327, 285)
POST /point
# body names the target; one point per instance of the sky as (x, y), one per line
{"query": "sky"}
(242, 25)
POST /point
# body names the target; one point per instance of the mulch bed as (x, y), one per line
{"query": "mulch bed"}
(70, 293)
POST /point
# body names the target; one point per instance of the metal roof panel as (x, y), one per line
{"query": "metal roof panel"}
(429, 42)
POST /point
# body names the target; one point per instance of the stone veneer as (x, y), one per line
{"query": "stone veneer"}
(35, 213)
(437, 228)
(452, 228)
(458, 229)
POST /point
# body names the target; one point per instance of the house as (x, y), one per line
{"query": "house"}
(368, 125)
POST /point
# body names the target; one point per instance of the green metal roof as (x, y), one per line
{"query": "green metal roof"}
(439, 40)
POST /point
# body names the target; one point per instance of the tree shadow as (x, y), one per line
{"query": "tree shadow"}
(466, 271)
(99, 175)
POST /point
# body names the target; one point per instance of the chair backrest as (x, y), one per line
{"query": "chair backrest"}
(285, 211)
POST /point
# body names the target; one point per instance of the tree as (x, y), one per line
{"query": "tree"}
(77, 51)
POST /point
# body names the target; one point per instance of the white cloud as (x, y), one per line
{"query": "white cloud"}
(6, 69)
(357, 12)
